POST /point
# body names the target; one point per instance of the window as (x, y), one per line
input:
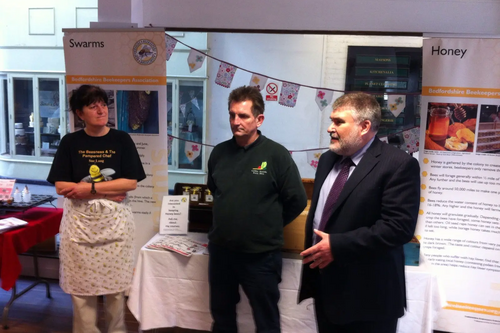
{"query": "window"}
(4, 117)
(186, 122)
(34, 118)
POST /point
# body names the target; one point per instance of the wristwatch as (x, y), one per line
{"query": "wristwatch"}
(93, 191)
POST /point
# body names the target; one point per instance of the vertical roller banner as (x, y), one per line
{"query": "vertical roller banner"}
(130, 65)
(459, 221)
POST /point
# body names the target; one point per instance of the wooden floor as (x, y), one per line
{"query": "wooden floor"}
(35, 313)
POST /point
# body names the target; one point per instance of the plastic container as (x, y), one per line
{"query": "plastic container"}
(26, 194)
(18, 197)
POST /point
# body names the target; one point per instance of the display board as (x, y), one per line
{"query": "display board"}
(459, 221)
(388, 70)
(130, 65)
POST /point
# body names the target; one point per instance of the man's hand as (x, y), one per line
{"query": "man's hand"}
(320, 254)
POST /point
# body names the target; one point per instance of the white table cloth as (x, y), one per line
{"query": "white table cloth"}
(170, 290)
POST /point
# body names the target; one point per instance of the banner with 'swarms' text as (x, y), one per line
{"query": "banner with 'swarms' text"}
(130, 65)
(459, 222)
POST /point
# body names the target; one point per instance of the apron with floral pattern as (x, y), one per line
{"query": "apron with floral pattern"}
(96, 247)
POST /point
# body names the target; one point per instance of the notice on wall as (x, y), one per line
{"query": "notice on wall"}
(130, 65)
(174, 216)
(459, 222)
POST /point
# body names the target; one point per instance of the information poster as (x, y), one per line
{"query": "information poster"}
(131, 66)
(459, 222)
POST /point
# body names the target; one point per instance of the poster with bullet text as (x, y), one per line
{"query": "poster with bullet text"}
(459, 221)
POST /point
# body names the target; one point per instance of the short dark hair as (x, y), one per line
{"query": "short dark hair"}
(247, 93)
(85, 95)
(365, 107)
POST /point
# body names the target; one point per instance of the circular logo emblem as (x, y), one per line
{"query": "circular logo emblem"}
(145, 52)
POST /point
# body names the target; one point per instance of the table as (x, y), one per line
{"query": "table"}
(43, 223)
(170, 290)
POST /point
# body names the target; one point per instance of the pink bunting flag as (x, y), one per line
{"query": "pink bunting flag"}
(323, 98)
(411, 138)
(313, 157)
(169, 145)
(225, 75)
(258, 81)
(171, 43)
(195, 60)
(289, 94)
(192, 150)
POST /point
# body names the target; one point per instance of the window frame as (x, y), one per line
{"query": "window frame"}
(175, 82)
(4, 113)
(35, 77)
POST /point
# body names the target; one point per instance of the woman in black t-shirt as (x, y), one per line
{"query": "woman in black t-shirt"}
(93, 169)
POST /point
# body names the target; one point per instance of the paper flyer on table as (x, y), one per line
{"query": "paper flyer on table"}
(11, 223)
(174, 217)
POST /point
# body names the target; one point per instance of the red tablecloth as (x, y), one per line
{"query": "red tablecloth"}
(43, 223)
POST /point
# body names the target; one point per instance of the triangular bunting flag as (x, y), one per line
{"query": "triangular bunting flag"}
(289, 94)
(169, 145)
(195, 102)
(171, 43)
(225, 75)
(195, 60)
(183, 109)
(192, 150)
(323, 98)
(258, 81)
(396, 104)
(411, 138)
(313, 157)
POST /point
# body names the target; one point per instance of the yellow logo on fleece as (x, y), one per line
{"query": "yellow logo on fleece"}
(263, 166)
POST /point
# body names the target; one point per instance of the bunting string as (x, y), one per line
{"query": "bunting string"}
(288, 97)
(413, 129)
(277, 79)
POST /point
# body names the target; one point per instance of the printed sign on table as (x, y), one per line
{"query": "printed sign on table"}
(174, 217)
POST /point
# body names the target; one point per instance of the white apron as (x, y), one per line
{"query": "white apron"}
(96, 249)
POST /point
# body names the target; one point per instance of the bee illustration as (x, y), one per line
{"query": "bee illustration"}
(146, 51)
(98, 175)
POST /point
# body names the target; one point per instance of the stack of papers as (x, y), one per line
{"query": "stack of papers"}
(179, 244)
(11, 223)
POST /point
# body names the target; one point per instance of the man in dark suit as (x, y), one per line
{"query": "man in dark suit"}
(354, 260)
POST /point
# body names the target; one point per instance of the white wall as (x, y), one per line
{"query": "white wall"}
(293, 58)
(313, 60)
(21, 51)
(428, 16)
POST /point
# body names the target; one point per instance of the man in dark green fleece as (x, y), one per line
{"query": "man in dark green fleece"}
(257, 191)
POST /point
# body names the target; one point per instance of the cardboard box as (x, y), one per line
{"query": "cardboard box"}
(294, 233)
